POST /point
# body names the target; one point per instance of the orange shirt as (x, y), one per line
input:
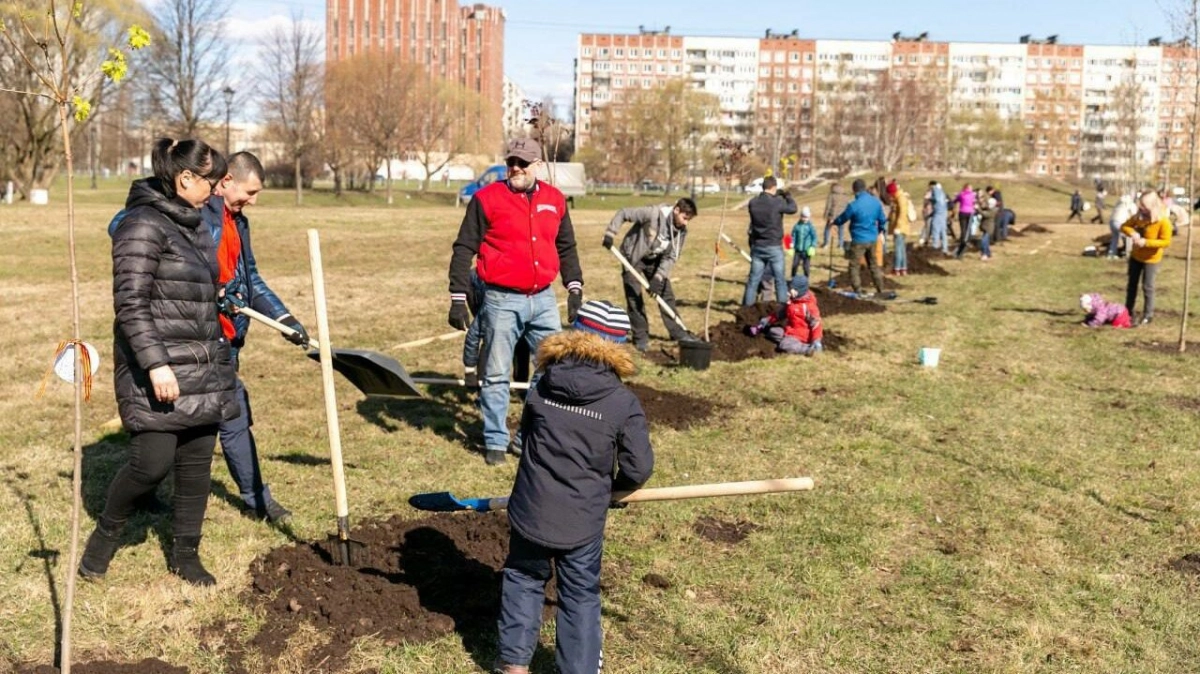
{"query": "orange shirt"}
(229, 251)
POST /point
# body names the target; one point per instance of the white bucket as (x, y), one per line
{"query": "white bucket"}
(929, 357)
(39, 197)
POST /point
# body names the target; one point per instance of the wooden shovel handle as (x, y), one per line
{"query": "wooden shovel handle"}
(646, 284)
(717, 489)
(250, 313)
(331, 413)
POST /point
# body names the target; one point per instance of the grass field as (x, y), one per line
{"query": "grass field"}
(1024, 507)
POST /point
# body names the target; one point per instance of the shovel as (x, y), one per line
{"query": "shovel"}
(726, 239)
(445, 502)
(646, 284)
(342, 549)
(372, 373)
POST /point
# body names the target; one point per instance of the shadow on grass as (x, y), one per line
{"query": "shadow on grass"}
(48, 557)
(1037, 310)
(298, 459)
(447, 411)
(438, 569)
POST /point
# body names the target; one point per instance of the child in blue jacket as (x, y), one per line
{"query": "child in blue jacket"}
(804, 241)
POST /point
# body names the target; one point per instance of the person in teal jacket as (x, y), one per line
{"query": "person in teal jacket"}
(804, 241)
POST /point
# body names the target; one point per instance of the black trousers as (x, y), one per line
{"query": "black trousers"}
(151, 456)
(635, 305)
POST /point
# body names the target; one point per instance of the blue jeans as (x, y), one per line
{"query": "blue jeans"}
(507, 318)
(1114, 243)
(984, 248)
(760, 257)
(241, 453)
(841, 232)
(937, 233)
(523, 593)
(900, 261)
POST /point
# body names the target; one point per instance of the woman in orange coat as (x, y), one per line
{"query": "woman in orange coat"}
(1150, 231)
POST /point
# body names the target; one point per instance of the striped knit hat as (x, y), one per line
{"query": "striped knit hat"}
(604, 319)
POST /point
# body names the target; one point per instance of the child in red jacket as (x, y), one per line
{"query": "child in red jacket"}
(801, 331)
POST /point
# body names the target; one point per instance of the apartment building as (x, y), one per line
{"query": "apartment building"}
(463, 44)
(1069, 111)
(609, 66)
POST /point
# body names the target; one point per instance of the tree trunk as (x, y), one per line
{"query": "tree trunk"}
(712, 274)
(1194, 20)
(299, 180)
(77, 470)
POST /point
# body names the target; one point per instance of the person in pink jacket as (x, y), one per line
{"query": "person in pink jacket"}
(1101, 312)
(964, 203)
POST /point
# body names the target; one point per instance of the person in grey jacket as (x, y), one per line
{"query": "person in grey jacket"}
(766, 239)
(174, 375)
(835, 203)
(584, 436)
(652, 245)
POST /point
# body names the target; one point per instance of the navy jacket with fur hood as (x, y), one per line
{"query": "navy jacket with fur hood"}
(580, 425)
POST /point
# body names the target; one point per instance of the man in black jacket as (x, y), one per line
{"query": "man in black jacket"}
(766, 239)
(579, 422)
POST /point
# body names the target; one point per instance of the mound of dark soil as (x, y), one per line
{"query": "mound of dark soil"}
(720, 531)
(417, 580)
(1034, 228)
(1189, 563)
(731, 344)
(920, 261)
(834, 303)
(147, 666)
(676, 410)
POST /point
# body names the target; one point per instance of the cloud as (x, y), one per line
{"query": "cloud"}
(238, 29)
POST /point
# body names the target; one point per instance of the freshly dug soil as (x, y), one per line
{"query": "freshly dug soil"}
(920, 261)
(675, 410)
(721, 531)
(147, 666)
(833, 303)
(1169, 348)
(1189, 563)
(732, 344)
(417, 580)
(1034, 228)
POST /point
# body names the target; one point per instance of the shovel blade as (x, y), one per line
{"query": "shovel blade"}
(345, 551)
(372, 373)
(445, 502)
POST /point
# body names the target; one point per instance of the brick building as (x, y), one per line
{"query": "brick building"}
(463, 44)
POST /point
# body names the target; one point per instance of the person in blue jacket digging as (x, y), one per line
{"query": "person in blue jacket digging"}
(579, 422)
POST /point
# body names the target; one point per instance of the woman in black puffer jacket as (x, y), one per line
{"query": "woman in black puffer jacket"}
(174, 378)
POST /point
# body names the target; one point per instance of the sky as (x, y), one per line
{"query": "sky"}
(541, 36)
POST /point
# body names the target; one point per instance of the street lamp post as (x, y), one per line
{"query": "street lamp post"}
(228, 93)
(694, 130)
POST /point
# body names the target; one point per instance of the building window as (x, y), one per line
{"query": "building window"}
(619, 53)
(587, 51)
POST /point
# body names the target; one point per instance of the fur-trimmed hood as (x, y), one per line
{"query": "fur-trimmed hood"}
(586, 347)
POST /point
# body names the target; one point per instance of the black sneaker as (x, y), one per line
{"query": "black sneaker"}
(494, 457)
(1147, 320)
(889, 296)
(514, 447)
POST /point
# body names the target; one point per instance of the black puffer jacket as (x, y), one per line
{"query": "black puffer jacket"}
(164, 296)
(579, 422)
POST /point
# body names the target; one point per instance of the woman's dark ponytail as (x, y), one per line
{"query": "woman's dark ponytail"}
(171, 158)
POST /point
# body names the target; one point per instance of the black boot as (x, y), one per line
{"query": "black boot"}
(185, 561)
(101, 547)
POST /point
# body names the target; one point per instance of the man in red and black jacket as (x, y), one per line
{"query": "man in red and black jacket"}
(519, 234)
